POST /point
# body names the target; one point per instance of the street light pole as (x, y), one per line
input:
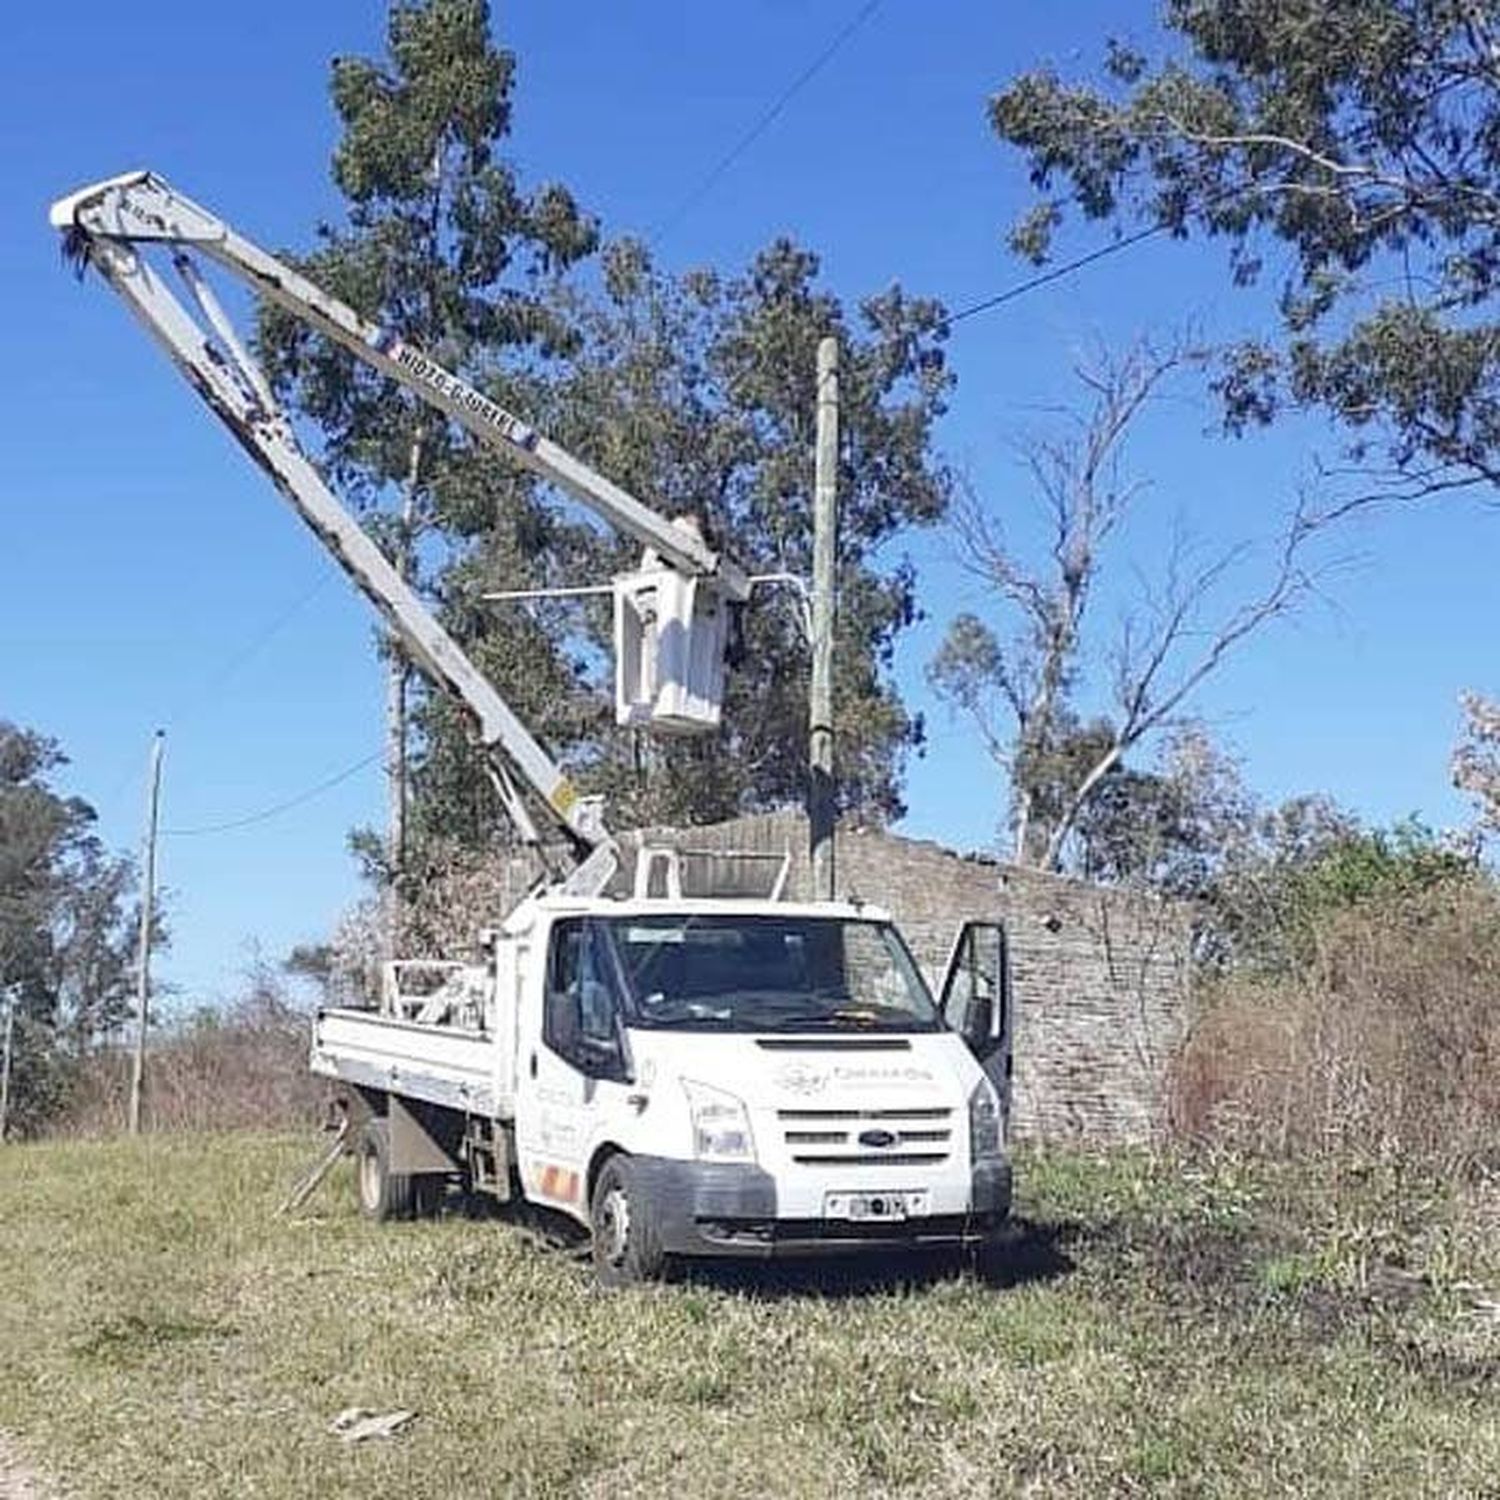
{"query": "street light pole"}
(143, 953)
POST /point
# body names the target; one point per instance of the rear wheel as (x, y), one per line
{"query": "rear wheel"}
(627, 1246)
(383, 1194)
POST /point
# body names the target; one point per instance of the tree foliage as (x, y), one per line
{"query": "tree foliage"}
(1306, 861)
(67, 928)
(697, 392)
(1476, 760)
(1266, 881)
(442, 245)
(1360, 139)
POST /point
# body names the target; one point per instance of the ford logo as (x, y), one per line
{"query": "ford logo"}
(876, 1138)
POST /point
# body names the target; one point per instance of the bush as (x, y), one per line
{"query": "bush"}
(1385, 1046)
(242, 1068)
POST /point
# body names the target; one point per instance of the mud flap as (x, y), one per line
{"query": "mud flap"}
(415, 1140)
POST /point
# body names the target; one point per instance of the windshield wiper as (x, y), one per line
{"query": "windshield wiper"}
(837, 1021)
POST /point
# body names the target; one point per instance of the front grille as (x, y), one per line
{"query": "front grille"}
(831, 1137)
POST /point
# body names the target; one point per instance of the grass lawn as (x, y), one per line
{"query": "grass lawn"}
(1165, 1331)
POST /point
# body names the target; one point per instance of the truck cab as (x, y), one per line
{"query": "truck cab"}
(724, 1077)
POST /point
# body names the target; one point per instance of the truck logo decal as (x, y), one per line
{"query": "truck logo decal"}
(877, 1138)
(907, 1076)
(801, 1078)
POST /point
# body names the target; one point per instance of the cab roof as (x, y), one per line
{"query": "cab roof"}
(693, 906)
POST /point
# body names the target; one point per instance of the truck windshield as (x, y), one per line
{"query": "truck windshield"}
(770, 973)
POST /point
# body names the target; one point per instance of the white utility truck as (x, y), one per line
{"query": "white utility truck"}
(684, 1073)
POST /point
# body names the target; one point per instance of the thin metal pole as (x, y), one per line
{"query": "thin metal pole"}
(820, 802)
(10, 1031)
(568, 593)
(398, 674)
(143, 954)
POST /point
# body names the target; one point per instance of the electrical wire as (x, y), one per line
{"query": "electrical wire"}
(278, 808)
(1102, 252)
(251, 648)
(232, 664)
(696, 194)
(1056, 273)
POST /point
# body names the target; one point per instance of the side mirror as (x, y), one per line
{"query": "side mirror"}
(600, 1056)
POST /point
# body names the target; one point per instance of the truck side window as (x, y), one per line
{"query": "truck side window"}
(567, 945)
(560, 1018)
(580, 1021)
(596, 999)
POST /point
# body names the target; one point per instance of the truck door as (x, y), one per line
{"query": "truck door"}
(569, 1064)
(976, 1000)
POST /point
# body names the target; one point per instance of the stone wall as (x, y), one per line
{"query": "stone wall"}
(1099, 976)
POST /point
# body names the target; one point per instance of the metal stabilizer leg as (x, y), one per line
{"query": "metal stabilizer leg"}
(319, 1170)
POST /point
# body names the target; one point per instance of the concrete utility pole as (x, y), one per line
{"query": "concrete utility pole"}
(143, 955)
(10, 1034)
(820, 804)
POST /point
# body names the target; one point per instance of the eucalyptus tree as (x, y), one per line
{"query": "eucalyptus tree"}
(1348, 148)
(697, 392)
(441, 244)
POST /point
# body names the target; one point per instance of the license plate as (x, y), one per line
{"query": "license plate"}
(863, 1207)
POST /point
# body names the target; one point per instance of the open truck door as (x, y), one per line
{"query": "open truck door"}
(976, 1001)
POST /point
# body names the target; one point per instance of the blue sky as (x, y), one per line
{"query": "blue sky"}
(151, 577)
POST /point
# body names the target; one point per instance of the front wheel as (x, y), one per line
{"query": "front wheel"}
(627, 1246)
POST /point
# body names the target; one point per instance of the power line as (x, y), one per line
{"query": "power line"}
(232, 664)
(250, 649)
(1114, 247)
(1056, 273)
(767, 119)
(280, 807)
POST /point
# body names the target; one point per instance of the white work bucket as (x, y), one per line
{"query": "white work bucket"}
(670, 638)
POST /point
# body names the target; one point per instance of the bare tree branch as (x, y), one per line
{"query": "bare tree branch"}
(1161, 655)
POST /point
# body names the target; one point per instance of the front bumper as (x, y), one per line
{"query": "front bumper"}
(724, 1209)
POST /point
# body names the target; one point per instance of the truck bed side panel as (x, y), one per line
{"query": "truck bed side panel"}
(444, 1065)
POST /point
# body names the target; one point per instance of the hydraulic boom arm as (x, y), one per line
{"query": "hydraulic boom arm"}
(107, 225)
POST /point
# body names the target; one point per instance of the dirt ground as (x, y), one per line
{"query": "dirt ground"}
(18, 1479)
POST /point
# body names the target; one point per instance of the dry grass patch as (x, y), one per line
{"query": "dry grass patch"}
(1383, 1051)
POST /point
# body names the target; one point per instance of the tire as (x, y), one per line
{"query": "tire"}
(429, 1193)
(383, 1194)
(626, 1243)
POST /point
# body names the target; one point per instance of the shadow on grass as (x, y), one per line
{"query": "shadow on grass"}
(1030, 1252)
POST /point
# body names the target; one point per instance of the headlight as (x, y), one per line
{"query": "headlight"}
(721, 1124)
(984, 1122)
